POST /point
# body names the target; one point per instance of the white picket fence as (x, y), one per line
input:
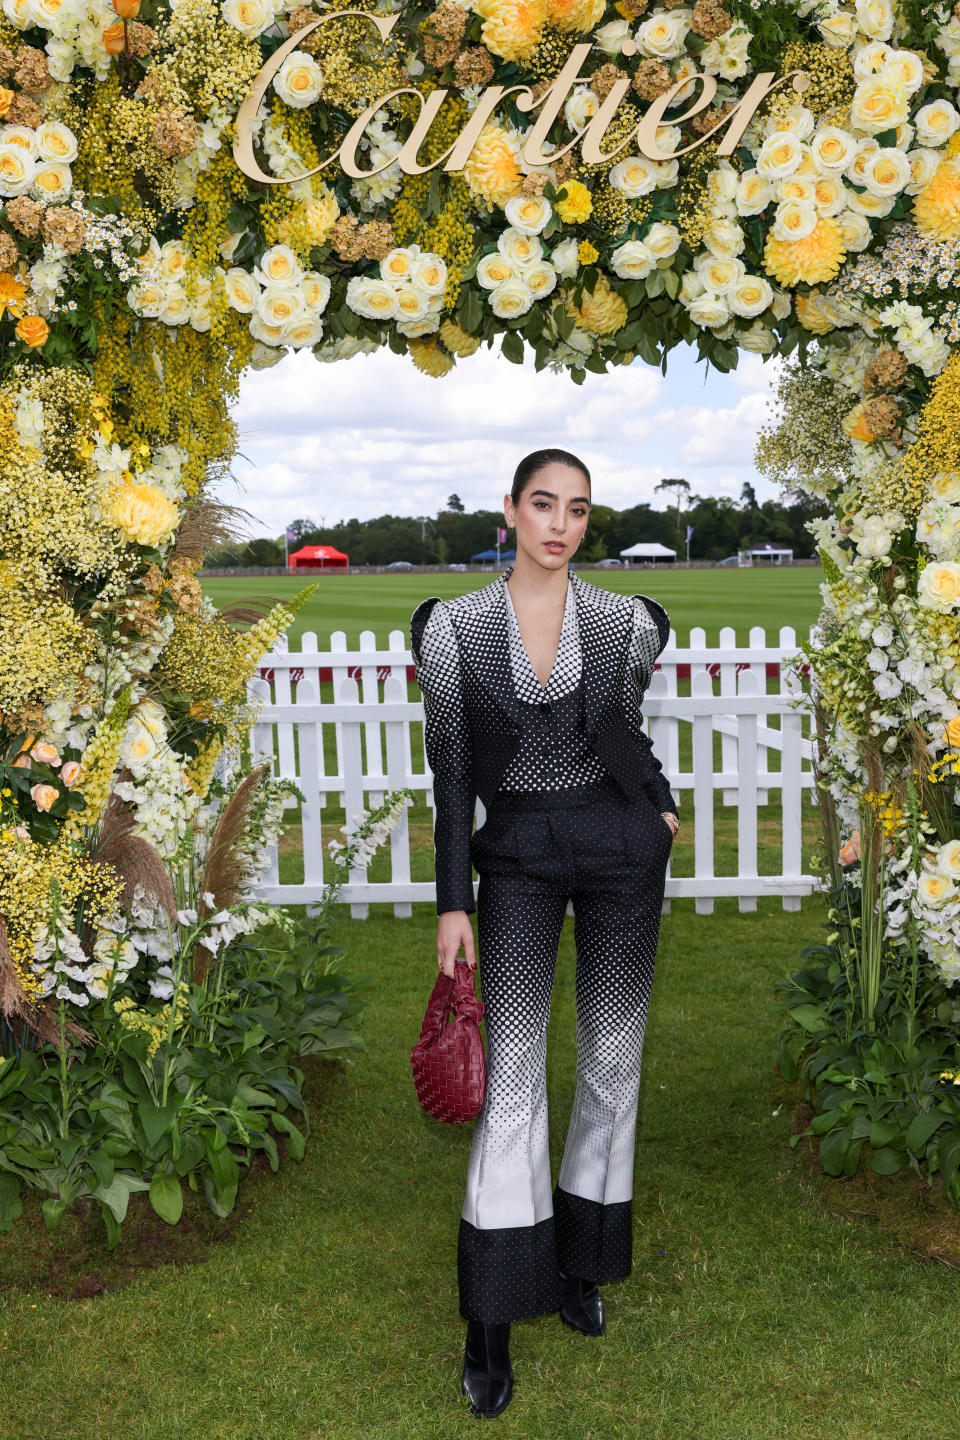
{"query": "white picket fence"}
(371, 718)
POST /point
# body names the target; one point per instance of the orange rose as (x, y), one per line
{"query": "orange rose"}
(22, 762)
(127, 8)
(32, 330)
(952, 731)
(113, 38)
(45, 754)
(44, 796)
(71, 773)
(6, 100)
(851, 850)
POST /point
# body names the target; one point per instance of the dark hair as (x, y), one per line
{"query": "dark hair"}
(537, 460)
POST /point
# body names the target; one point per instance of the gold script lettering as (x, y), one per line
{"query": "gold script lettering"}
(243, 144)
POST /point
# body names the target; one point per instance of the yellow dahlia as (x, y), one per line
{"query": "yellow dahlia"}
(493, 170)
(575, 14)
(143, 513)
(601, 313)
(810, 261)
(577, 205)
(512, 28)
(428, 356)
(810, 314)
(458, 340)
(937, 208)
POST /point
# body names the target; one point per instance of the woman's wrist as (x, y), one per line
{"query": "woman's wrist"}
(672, 819)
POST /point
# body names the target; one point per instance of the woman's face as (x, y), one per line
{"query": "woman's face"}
(551, 516)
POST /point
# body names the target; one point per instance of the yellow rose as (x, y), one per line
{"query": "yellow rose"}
(32, 330)
(935, 889)
(144, 514)
(952, 732)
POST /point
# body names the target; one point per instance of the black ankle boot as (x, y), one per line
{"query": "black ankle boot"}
(487, 1372)
(582, 1305)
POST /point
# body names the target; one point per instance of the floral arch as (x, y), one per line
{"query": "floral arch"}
(142, 271)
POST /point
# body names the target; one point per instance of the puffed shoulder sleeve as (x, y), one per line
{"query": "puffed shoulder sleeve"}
(447, 744)
(651, 631)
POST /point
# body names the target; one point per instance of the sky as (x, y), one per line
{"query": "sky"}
(373, 435)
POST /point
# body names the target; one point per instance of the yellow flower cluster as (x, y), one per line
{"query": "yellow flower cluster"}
(157, 1024)
(26, 873)
(937, 207)
(576, 205)
(200, 769)
(99, 766)
(493, 169)
(936, 452)
(810, 261)
(602, 313)
(43, 642)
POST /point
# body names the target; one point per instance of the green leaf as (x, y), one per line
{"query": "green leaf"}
(921, 1127)
(11, 1206)
(948, 1156)
(887, 1161)
(53, 1210)
(810, 1017)
(296, 1143)
(512, 347)
(833, 1150)
(102, 1166)
(156, 1121)
(166, 1197)
(882, 1132)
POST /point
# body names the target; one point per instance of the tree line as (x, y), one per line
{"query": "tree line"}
(721, 527)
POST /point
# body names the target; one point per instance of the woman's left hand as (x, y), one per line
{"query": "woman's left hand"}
(672, 820)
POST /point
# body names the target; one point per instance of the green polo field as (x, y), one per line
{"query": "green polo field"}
(710, 598)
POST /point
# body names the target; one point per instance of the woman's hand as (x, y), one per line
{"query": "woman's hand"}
(672, 820)
(453, 930)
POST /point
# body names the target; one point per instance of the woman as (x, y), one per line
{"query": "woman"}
(532, 688)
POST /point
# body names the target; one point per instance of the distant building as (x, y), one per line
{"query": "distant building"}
(765, 554)
(650, 552)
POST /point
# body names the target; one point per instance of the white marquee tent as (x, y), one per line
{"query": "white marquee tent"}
(652, 550)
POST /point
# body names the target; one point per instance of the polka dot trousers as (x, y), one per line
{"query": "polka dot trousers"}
(534, 852)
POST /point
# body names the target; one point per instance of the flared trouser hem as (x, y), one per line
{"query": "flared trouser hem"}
(594, 1241)
(510, 1273)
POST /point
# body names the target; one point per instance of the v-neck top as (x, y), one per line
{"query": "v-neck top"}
(553, 752)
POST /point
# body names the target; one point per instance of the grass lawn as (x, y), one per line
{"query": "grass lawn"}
(709, 598)
(752, 1312)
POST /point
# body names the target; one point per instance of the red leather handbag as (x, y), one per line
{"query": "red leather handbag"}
(449, 1067)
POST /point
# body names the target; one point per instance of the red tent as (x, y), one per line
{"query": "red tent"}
(318, 557)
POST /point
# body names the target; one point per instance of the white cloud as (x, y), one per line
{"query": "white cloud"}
(373, 435)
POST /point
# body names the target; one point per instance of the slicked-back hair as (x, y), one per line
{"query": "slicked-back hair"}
(537, 460)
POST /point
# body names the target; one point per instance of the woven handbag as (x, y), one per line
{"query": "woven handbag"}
(449, 1067)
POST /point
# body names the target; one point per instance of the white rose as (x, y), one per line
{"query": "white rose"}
(519, 248)
(528, 213)
(905, 68)
(52, 182)
(172, 263)
(316, 291)
(936, 122)
(855, 231)
(175, 309)
(540, 277)
(511, 297)
(307, 330)
(794, 188)
(779, 156)
(412, 302)
(750, 297)
(138, 747)
(632, 260)
(709, 310)
(264, 357)
(923, 167)
(662, 240)
(494, 268)
(667, 173)
(634, 176)
(565, 259)
(279, 266)
(581, 106)
(886, 172)
(829, 196)
(878, 105)
(870, 59)
(938, 587)
(691, 286)
(429, 271)
(722, 184)
(782, 304)
(23, 136)
(869, 204)
(724, 238)
(18, 13)
(250, 17)
(17, 170)
(947, 859)
(610, 37)
(875, 18)
(838, 29)
(374, 298)
(299, 80)
(56, 141)
(872, 537)
(798, 120)
(280, 304)
(753, 193)
(146, 298)
(242, 290)
(728, 55)
(833, 149)
(719, 276)
(662, 37)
